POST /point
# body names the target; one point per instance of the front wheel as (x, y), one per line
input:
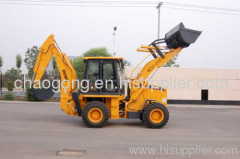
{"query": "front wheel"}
(95, 114)
(155, 115)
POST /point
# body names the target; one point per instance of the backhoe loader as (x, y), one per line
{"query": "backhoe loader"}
(134, 99)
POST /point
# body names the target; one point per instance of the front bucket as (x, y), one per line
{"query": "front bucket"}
(180, 36)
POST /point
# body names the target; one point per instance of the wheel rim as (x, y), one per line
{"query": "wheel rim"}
(95, 115)
(156, 116)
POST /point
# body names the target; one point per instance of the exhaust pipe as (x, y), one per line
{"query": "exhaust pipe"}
(180, 36)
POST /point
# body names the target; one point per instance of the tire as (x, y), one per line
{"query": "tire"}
(141, 115)
(155, 115)
(95, 114)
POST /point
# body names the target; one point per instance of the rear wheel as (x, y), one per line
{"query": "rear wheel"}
(95, 114)
(155, 115)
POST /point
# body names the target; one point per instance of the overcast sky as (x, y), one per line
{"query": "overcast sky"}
(78, 29)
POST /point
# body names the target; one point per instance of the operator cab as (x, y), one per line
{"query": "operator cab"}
(104, 75)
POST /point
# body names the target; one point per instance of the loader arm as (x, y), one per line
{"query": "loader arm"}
(68, 76)
(156, 63)
(149, 68)
(175, 40)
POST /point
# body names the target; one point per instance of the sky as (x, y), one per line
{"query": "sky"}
(78, 29)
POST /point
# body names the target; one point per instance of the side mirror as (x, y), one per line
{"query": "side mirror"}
(180, 36)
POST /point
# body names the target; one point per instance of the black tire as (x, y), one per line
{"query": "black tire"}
(146, 115)
(141, 115)
(101, 106)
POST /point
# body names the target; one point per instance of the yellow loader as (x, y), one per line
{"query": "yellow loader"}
(134, 98)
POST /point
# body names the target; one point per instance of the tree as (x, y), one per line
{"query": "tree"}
(30, 59)
(55, 72)
(1, 74)
(78, 64)
(11, 76)
(1, 62)
(18, 61)
(95, 52)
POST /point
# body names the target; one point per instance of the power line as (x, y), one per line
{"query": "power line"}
(85, 3)
(71, 4)
(126, 3)
(202, 7)
(202, 10)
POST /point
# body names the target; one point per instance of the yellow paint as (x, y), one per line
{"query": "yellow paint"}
(146, 48)
(48, 50)
(95, 115)
(156, 116)
(139, 97)
(114, 108)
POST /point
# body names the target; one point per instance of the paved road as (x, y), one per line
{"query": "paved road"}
(39, 130)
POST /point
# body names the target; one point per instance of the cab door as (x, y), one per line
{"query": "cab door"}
(105, 70)
(111, 74)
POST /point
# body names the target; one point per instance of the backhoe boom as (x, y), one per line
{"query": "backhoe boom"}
(68, 75)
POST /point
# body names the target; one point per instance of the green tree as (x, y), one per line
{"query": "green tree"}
(30, 59)
(1, 74)
(78, 62)
(78, 65)
(18, 61)
(1, 62)
(55, 72)
(11, 76)
(97, 52)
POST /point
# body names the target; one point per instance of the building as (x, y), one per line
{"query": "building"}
(199, 84)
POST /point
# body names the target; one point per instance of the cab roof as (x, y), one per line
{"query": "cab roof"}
(103, 58)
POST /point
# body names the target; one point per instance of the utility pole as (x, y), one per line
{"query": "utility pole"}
(159, 9)
(114, 41)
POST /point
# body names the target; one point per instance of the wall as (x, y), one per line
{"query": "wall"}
(187, 83)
